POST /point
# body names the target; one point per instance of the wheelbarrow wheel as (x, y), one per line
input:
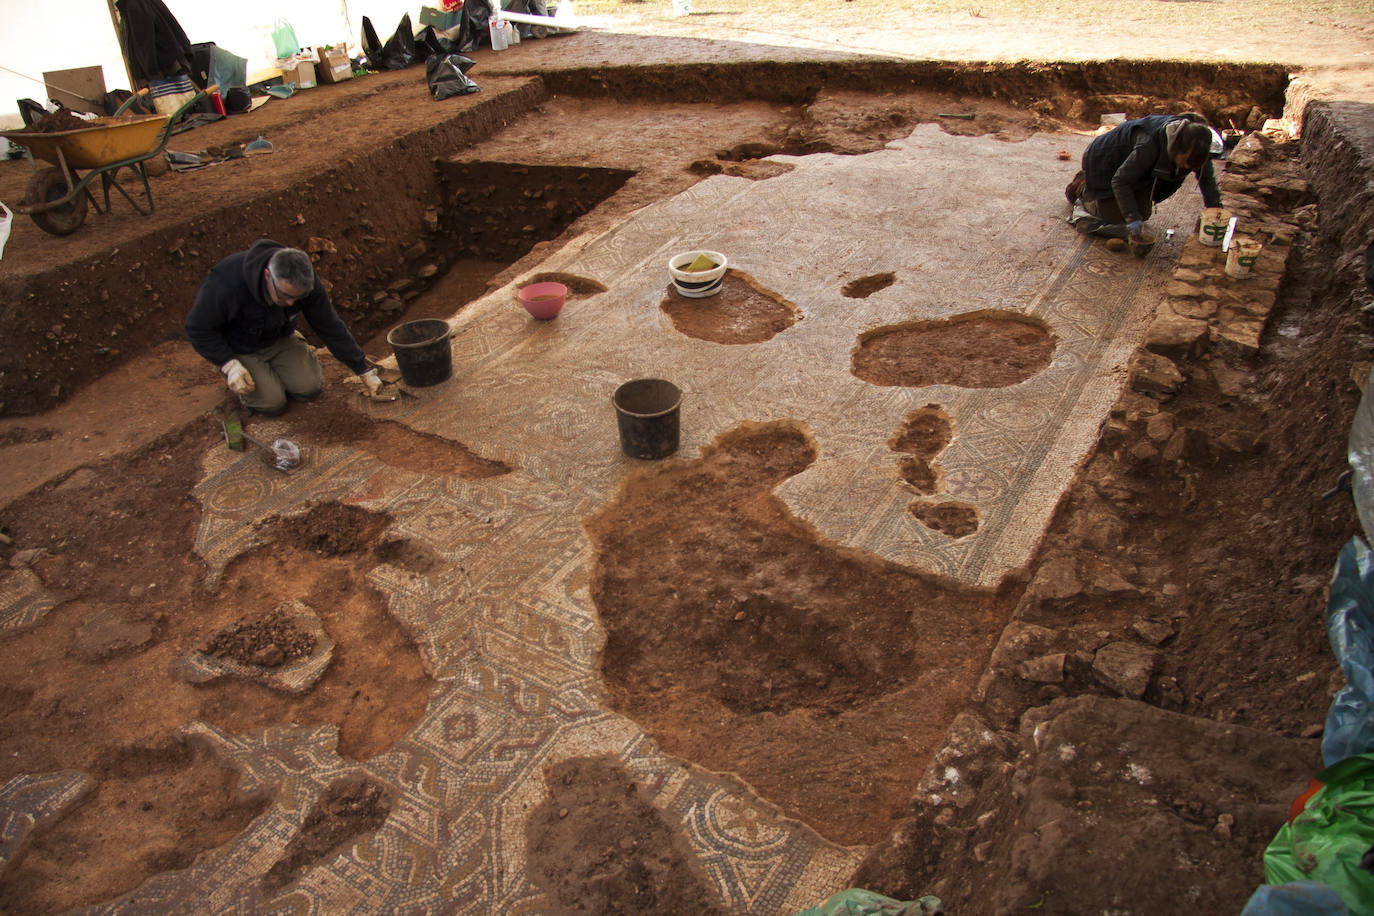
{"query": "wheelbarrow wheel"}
(49, 185)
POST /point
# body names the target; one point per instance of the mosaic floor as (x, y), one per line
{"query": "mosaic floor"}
(507, 624)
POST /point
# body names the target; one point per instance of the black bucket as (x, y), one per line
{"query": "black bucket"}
(422, 352)
(646, 410)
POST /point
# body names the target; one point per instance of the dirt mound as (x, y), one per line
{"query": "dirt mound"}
(268, 643)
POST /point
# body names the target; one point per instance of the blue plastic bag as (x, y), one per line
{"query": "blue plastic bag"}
(1350, 627)
(1298, 898)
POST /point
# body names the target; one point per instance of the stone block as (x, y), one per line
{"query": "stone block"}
(1125, 667)
(1057, 578)
(1197, 255)
(1177, 289)
(1192, 308)
(1257, 302)
(1239, 336)
(1047, 669)
(1160, 427)
(1176, 336)
(1154, 375)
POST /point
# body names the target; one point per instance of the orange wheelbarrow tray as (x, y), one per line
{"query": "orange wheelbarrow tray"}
(57, 196)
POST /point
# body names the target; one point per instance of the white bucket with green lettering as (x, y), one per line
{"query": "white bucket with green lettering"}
(1212, 231)
(1241, 256)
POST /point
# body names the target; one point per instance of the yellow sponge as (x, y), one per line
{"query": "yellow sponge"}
(700, 263)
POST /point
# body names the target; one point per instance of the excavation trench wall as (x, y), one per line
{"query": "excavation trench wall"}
(1221, 91)
(387, 233)
(70, 325)
(1338, 150)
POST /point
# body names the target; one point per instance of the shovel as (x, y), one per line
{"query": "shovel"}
(286, 455)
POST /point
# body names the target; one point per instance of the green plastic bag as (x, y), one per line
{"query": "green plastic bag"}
(284, 37)
(859, 902)
(1327, 840)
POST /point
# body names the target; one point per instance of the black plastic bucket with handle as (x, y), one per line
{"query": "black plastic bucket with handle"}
(422, 351)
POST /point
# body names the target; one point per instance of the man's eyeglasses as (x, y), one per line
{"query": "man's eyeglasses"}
(283, 301)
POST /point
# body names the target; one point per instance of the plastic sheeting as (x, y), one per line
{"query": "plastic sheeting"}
(1360, 452)
(1328, 839)
(1350, 628)
(1300, 898)
(859, 902)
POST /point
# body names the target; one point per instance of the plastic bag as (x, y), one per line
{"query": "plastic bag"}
(430, 42)
(859, 902)
(476, 20)
(445, 75)
(399, 51)
(1350, 627)
(1326, 842)
(1301, 898)
(284, 39)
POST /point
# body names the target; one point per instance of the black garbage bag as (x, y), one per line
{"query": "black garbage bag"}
(429, 42)
(446, 76)
(476, 19)
(399, 51)
(30, 111)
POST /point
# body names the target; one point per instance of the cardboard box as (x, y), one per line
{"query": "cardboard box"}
(334, 66)
(439, 19)
(303, 75)
(82, 89)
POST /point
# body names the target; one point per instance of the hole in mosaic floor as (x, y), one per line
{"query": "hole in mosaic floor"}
(986, 349)
(331, 422)
(743, 312)
(578, 287)
(864, 287)
(752, 169)
(375, 687)
(155, 807)
(743, 642)
(923, 434)
(350, 808)
(954, 519)
(328, 529)
(597, 844)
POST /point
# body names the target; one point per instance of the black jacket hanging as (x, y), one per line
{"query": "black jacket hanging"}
(158, 48)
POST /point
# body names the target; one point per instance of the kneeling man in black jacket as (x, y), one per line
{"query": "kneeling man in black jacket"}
(244, 322)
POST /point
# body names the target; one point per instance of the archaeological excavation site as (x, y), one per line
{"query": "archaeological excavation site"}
(741, 481)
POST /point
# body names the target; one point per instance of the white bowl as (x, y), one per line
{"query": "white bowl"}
(698, 284)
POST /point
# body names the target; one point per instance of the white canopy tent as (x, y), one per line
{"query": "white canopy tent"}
(37, 37)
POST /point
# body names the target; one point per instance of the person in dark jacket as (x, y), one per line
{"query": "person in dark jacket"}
(1136, 165)
(244, 322)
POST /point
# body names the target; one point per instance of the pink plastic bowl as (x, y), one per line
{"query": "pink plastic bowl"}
(544, 300)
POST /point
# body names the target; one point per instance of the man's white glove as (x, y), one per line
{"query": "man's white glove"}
(372, 380)
(239, 378)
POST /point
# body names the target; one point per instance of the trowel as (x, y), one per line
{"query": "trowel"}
(286, 455)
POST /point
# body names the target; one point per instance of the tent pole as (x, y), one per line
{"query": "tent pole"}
(123, 48)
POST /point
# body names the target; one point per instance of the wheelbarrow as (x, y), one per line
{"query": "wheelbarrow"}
(57, 196)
